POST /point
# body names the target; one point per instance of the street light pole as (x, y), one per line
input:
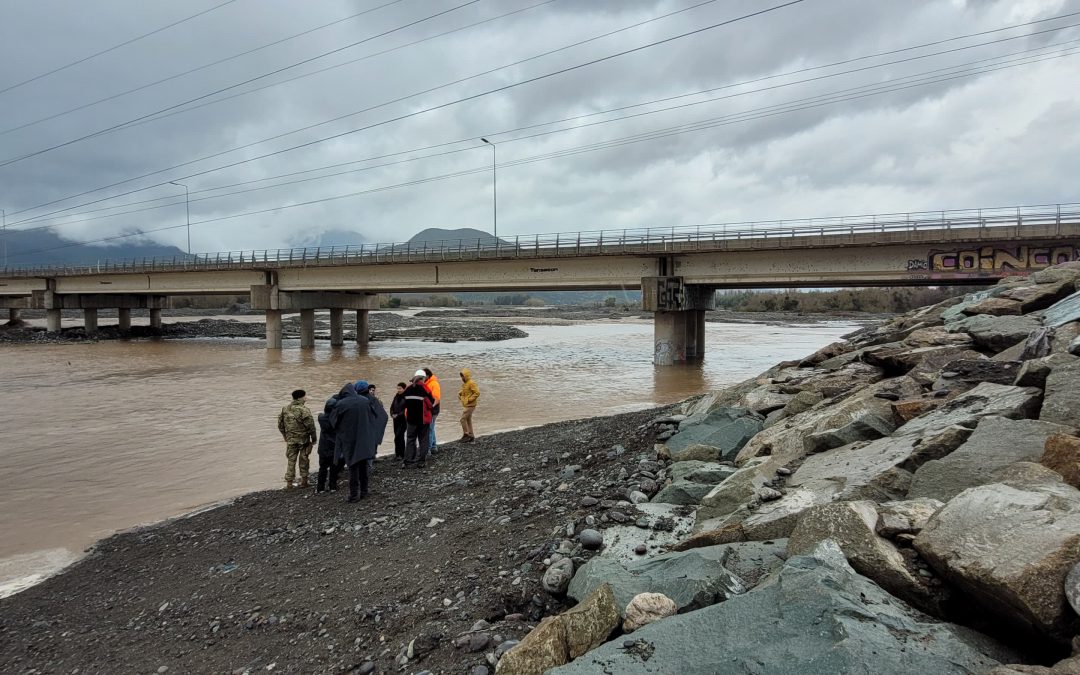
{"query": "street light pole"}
(3, 221)
(494, 190)
(187, 208)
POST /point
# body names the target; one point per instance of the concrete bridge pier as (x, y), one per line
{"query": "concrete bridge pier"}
(275, 302)
(337, 327)
(363, 328)
(307, 329)
(155, 318)
(679, 320)
(13, 315)
(52, 321)
(124, 319)
(90, 321)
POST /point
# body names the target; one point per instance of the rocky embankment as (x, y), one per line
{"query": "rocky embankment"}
(901, 502)
(382, 326)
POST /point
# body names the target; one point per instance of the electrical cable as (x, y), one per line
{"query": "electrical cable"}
(113, 48)
(568, 152)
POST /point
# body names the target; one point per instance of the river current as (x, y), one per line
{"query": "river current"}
(101, 437)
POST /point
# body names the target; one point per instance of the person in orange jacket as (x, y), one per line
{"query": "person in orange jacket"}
(432, 384)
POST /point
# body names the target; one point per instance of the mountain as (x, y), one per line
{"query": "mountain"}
(335, 238)
(467, 235)
(45, 247)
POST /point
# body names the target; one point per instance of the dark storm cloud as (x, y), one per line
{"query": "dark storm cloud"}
(957, 143)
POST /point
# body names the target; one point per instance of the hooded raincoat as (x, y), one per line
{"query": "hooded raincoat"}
(470, 391)
(326, 438)
(354, 423)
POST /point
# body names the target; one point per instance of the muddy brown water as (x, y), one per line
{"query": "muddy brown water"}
(101, 437)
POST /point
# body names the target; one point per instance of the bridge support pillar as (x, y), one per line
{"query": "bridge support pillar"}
(679, 320)
(273, 329)
(124, 319)
(52, 320)
(337, 327)
(155, 318)
(90, 321)
(307, 329)
(362, 327)
(13, 315)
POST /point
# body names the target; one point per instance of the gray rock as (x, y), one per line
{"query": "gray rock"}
(982, 401)
(691, 580)
(557, 577)
(775, 520)
(750, 561)
(708, 473)
(852, 526)
(966, 374)
(905, 517)
(1062, 272)
(768, 494)
(726, 429)
(1034, 372)
(638, 497)
(764, 400)
(668, 524)
(819, 618)
(589, 501)
(956, 311)
(1061, 403)
(863, 429)
(996, 443)
(728, 496)
(996, 333)
(591, 539)
(1011, 549)
(682, 492)
(1072, 587)
(479, 670)
(1063, 312)
(1074, 346)
(505, 647)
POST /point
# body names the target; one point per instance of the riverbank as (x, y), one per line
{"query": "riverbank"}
(594, 313)
(382, 326)
(308, 583)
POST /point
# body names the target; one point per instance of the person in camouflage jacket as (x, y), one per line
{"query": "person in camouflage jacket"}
(297, 427)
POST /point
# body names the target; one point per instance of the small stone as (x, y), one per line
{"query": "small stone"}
(591, 539)
(618, 516)
(447, 602)
(643, 523)
(640, 549)
(435, 521)
(478, 642)
(480, 625)
(645, 608)
(506, 646)
(557, 577)
(479, 670)
(589, 501)
(638, 497)
(366, 668)
(783, 471)
(163, 669)
(767, 494)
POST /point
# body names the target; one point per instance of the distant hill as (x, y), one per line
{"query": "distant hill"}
(466, 234)
(45, 247)
(335, 238)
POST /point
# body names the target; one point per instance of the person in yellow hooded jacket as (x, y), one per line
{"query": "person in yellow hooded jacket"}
(469, 395)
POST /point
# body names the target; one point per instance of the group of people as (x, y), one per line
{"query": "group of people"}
(352, 425)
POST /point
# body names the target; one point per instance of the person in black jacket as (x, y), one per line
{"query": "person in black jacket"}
(328, 467)
(353, 422)
(418, 404)
(397, 413)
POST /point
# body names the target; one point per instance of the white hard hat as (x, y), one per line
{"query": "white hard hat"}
(420, 373)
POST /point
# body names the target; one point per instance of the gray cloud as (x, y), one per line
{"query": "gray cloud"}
(997, 138)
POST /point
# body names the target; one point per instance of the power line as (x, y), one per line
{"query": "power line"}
(36, 153)
(476, 96)
(825, 100)
(202, 67)
(541, 134)
(114, 47)
(576, 117)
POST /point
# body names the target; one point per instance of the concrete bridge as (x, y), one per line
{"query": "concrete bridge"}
(677, 269)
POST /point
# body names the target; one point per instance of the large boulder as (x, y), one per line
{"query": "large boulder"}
(982, 401)
(646, 608)
(853, 525)
(996, 443)
(1010, 548)
(1062, 454)
(542, 649)
(764, 399)
(750, 561)
(935, 336)
(880, 470)
(590, 622)
(905, 517)
(735, 491)
(708, 473)
(963, 374)
(816, 617)
(1039, 296)
(1034, 372)
(664, 526)
(995, 333)
(929, 370)
(689, 578)
(682, 492)
(726, 430)
(1061, 403)
(1064, 311)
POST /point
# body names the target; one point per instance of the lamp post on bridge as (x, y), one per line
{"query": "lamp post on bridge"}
(187, 208)
(494, 192)
(3, 225)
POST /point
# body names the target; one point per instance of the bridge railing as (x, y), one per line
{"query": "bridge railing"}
(647, 240)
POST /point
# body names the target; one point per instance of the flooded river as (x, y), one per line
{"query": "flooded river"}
(102, 437)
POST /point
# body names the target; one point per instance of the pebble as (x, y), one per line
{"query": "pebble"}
(643, 523)
(638, 497)
(479, 670)
(783, 471)
(591, 539)
(767, 494)
(163, 669)
(590, 520)
(589, 501)
(366, 668)
(506, 646)
(640, 549)
(480, 625)
(618, 516)
(479, 641)
(435, 521)
(535, 485)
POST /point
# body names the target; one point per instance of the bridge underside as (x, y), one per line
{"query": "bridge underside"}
(677, 283)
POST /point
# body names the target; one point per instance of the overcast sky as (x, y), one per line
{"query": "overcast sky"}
(997, 138)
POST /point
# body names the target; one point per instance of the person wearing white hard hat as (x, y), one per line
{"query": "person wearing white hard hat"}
(418, 405)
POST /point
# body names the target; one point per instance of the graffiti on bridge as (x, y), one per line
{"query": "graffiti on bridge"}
(993, 260)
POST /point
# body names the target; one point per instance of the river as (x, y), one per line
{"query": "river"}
(100, 437)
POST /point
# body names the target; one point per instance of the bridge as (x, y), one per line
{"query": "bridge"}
(678, 269)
